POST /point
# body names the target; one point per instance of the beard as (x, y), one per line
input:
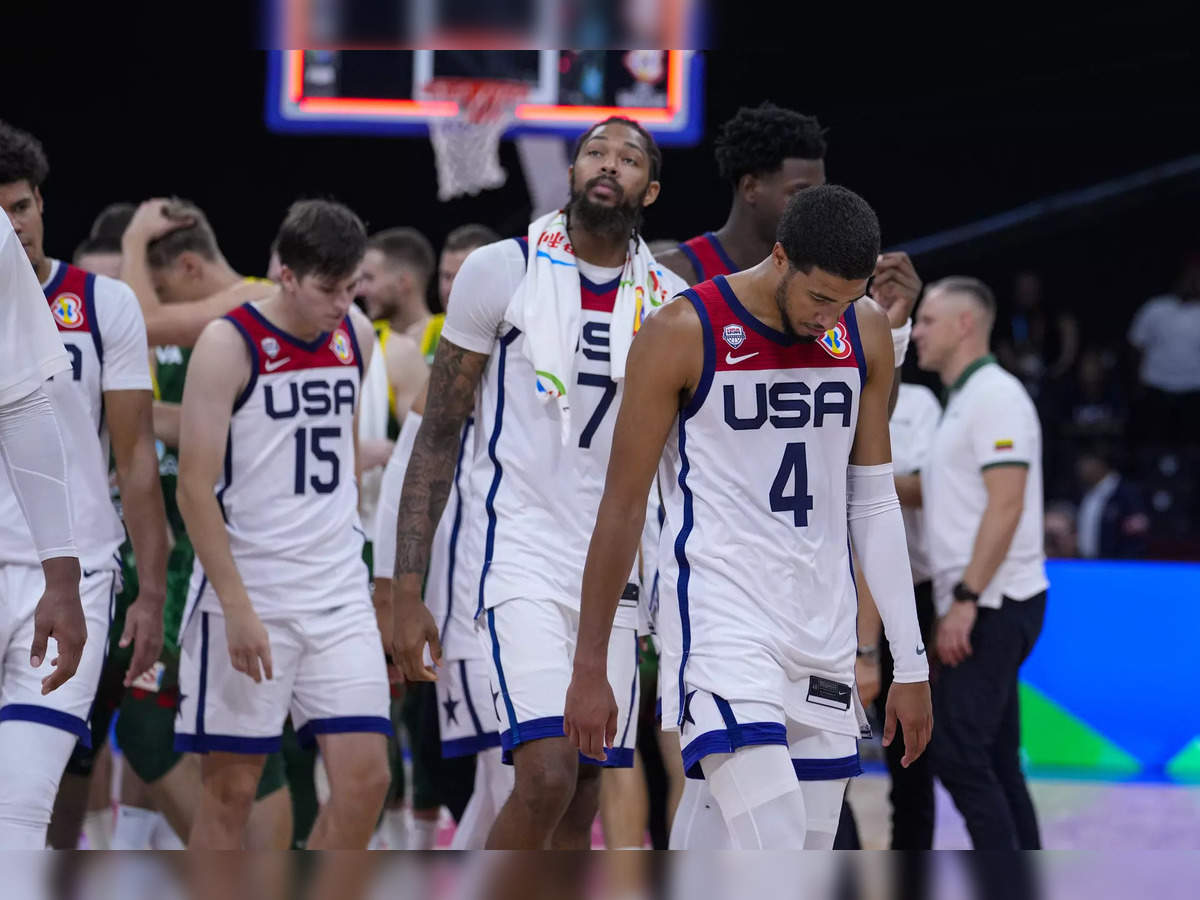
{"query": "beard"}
(616, 222)
(781, 302)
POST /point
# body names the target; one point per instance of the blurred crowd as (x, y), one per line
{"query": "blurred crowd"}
(1121, 419)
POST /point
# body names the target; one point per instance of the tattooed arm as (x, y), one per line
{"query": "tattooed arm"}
(451, 395)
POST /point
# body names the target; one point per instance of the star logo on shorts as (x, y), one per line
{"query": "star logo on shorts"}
(179, 704)
(687, 709)
(451, 704)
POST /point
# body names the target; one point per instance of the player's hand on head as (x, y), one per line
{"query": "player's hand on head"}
(896, 286)
(590, 715)
(414, 627)
(155, 218)
(143, 629)
(59, 615)
(249, 645)
(910, 706)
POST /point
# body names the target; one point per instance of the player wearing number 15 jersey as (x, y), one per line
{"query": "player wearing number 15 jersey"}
(279, 617)
(762, 400)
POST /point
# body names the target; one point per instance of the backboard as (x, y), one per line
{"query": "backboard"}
(382, 92)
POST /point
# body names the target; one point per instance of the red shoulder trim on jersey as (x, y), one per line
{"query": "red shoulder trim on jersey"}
(278, 351)
(707, 256)
(68, 296)
(746, 344)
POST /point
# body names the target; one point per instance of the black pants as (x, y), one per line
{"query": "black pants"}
(912, 788)
(911, 793)
(977, 728)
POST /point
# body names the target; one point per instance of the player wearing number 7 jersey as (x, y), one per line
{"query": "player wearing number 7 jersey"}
(279, 615)
(762, 399)
(572, 287)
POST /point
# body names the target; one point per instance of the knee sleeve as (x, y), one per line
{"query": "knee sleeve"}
(698, 824)
(823, 805)
(32, 759)
(759, 797)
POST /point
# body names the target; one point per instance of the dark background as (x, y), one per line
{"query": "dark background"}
(933, 143)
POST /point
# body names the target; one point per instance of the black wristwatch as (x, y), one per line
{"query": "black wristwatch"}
(964, 594)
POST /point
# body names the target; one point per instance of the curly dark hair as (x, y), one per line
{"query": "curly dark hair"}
(758, 139)
(833, 229)
(652, 150)
(21, 157)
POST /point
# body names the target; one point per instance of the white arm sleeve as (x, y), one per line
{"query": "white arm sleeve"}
(30, 347)
(32, 447)
(388, 508)
(877, 532)
(482, 290)
(123, 330)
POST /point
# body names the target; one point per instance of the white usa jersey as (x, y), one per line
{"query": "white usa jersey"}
(539, 495)
(757, 593)
(287, 492)
(456, 561)
(101, 327)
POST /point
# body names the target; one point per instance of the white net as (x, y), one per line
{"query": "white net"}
(467, 146)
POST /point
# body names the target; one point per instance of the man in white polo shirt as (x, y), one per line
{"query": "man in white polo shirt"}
(982, 494)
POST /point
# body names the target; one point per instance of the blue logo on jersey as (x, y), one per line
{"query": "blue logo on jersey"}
(785, 406)
(318, 396)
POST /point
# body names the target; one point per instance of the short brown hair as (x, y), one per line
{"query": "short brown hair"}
(972, 287)
(321, 237)
(468, 237)
(197, 237)
(405, 247)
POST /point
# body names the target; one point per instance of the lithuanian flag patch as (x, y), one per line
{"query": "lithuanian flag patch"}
(1004, 445)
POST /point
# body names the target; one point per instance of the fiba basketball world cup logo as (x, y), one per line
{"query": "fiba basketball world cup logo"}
(835, 342)
(67, 310)
(340, 345)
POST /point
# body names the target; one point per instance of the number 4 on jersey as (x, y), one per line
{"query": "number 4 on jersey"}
(800, 501)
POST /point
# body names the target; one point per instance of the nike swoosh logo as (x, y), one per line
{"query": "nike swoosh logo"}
(273, 364)
(731, 360)
(920, 651)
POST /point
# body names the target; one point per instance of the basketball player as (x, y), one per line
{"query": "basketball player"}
(538, 467)
(462, 709)
(768, 154)
(179, 270)
(395, 278)
(760, 635)
(280, 614)
(105, 397)
(196, 262)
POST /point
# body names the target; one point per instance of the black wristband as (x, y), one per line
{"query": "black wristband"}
(964, 594)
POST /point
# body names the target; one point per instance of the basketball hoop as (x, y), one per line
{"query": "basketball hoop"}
(467, 146)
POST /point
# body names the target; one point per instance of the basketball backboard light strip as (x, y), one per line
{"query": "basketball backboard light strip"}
(381, 92)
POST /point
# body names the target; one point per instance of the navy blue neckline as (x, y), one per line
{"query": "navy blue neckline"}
(307, 346)
(599, 288)
(56, 279)
(749, 319)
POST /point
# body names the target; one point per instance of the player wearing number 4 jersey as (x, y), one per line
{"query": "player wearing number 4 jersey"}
(764, 395)
(280, 618)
